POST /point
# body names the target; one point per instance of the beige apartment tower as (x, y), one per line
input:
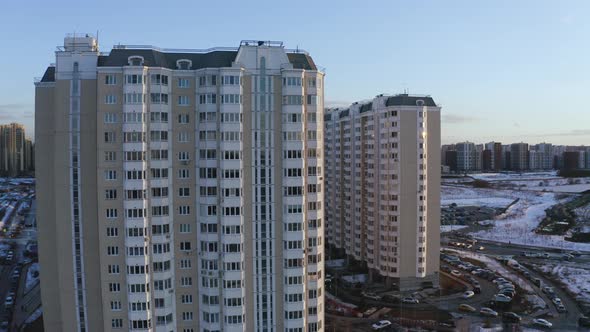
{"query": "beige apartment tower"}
(180, 190)
(382, 166)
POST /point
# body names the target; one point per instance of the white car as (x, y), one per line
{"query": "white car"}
(9, 301)
(468, 294)
(410, 300)
(542, 322)
(381, 324)
(456, 273)
(488, 312)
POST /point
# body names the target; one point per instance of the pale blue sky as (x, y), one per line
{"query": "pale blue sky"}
(502, 70)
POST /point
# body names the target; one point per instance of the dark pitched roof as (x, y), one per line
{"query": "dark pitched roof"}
(215, 59)
(407, 100)
(49, 75)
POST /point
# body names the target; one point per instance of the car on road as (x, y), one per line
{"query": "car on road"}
(547, 290)
(568, 257)
(556, 300)
(576, 253)
(488, 312)
(499, 280)
(9, 301)
(545, 255)
(477, 289)
(410, 300)
(511, 317)
(456, 273)
(468, 294)
(542, 322)
(372, 296)
(481, 248)
(561, 308)
(381, 324)
(584, 321)
(466, 308)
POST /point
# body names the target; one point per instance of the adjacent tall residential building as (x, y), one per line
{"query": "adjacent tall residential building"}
(182, 190)
(12, 149)
(383, 186)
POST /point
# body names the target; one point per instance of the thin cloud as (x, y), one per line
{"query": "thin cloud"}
(457, 119)
(573, 132)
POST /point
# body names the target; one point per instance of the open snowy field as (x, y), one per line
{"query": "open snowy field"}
(517, 224)
(466, 196)
(514, 176)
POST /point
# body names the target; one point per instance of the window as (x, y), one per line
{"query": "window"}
(183, 64)
(116, 305)
(183, 156)
(291, 81)
(231, 99)
(183, 137)
(113, 269)
(183, 101)
(135, 60)
(186, 298)
(134, 98)
(111, 213)
(185, 228)
(183, 173)
(159, 98)
(110, 156)
(110, 137)
(112, 231)
(185, 246)
(110, 118)
(230, 80)
(111, 194)
(114, 287)
(312, 100)
(117, 323)
(183, 118)
(159, 79)
(183, 82)
(110, 99)
(110, 175)
(134, 117)
(186, 281)
(184, 210)
(110, 79)
(134, 79)
(293, 100)
(208, 98)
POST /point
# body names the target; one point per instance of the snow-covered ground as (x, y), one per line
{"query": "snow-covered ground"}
(466, 196)
(577, 280)
(514, 176)
(519, 221)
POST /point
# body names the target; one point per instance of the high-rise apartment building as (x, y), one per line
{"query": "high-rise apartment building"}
(383, 169)
(181, 190)
(466, 156)
(519, 156)
(12, 149)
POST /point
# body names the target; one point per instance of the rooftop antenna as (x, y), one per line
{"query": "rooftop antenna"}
(97, 44)
(297, 49)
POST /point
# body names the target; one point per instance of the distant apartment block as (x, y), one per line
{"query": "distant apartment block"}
(519, 157)
(14, 158)
(466, 157)
(382, 166)
(182, 190)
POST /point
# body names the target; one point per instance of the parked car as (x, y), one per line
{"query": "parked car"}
(381, 324)
(584, 321)
(511, 317)
(576, 253)
(567, 257)
(488, 312)
(542, 322)
(537, 282)
(456, 273)
(468, 294)
(556, 300)
(561, 308)
(410, 300)
(9, 301)
(371, 296)
(466, 308)
(502, 298)
(477, 289)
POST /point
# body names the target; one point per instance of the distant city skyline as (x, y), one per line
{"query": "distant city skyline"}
(501, 71)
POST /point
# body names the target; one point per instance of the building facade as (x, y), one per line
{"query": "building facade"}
(466, 157)
(383, 186)
(180, 190)
(12, 149)
(519, 157)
